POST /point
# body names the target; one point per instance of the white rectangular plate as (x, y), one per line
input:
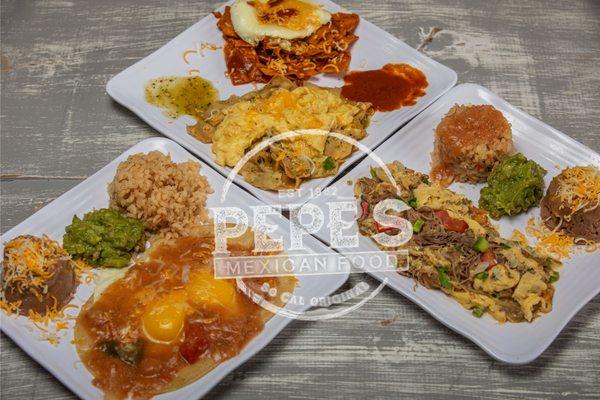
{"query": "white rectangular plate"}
(62, 361)
(579, 279)
(373, 49)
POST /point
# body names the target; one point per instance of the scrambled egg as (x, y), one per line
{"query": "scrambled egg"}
(438, 198)
(308, 145)
(528, 293)
(500, 278)
(515, 257)
(471, 300)
(405, 178)
(307, 107)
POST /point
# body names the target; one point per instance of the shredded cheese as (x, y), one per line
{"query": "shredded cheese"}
(209, 46)
(552, 242)
(518, 236)
(186, 53)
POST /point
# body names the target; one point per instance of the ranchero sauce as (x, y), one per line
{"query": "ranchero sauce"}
(387, 89)
(115, 334)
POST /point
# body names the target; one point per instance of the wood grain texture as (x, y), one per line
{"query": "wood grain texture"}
(59, 126)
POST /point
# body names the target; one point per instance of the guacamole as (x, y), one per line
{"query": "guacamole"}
(514, 185)
(104, 238)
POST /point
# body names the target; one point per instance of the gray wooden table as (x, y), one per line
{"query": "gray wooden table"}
(59, 126)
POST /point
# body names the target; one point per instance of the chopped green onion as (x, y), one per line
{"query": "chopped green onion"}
(412, 202)
(481, 244)
(373, 173)
(478, 312)
(548, 262)
(482, 275)
(444, 280)
(418, 225)
(328, 164)
(554, 276)
(505, 246)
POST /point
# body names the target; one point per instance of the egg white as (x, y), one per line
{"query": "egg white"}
(105, 278)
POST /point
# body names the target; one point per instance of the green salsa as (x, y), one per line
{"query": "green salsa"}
(181, 95)
(104, 238)
(514, 185)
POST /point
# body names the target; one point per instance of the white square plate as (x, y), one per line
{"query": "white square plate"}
(373, 49)
(579, 279)
(62, 361)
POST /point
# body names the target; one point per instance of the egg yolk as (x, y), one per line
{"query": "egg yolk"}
(204, 290)
(164, 318)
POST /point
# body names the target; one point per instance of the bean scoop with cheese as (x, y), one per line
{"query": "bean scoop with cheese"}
(572, 203)
(37, 276)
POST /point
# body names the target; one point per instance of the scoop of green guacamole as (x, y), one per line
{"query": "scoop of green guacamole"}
(104, 238)
(514, 185)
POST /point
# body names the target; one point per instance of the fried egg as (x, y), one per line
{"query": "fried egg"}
(205, 291)
(285, 19)
(164, 318)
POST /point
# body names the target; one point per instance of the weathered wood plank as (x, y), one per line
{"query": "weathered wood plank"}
(57, 121)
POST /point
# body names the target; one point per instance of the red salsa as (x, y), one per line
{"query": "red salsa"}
(388, 88)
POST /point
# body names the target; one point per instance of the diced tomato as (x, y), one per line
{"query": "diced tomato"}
(387, 229)
(365, 210)
(489, 257)
(195, 343)
(451, 224)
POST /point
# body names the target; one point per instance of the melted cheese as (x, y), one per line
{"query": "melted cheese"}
(246, 122)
